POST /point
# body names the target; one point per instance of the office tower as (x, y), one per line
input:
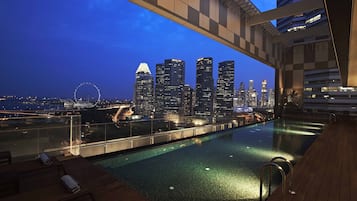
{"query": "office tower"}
(159, 90)
(264, 94)
(271, 99)
(323, 92)
(225, 91)
(252, 95)
(251, 85)
(235, 98)
(299, 22)
(241, 95)
(188, 101)
(170, 78)
(204, 88)
(144, 91)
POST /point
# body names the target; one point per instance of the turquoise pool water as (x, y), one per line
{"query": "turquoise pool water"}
(220, 166)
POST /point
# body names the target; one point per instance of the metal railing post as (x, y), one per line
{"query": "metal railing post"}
(105, 133)
(71, 135)
(130, 129)
(152, 126)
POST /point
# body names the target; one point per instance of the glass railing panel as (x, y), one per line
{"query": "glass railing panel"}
(20, 142)
(26, 137)
(116, 131)
(92, 133)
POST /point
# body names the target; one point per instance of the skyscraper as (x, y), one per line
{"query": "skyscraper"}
(241, 95)
(159, 90)
(299, 22)
(188, 100)
(271, 99)
(170, 78)
(144, 91)
(225, 91)
(264, 94)
(252, 95)
(204, 88)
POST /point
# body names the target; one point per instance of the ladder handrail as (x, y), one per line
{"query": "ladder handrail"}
(282, 173)
(291, 168)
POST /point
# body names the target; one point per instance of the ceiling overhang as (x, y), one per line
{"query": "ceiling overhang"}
(251, 11)
(342, 18)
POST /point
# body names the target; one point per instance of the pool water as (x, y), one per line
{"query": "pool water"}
(219, 166)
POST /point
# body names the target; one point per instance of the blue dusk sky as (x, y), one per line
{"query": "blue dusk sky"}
(49, 47)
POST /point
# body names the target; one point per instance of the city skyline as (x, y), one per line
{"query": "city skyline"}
(49, 48)
(205, 100)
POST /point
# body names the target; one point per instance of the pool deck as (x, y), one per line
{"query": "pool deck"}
(328, 169)
(31, 180)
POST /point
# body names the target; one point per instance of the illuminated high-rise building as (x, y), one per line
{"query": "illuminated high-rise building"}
(252, 95)
(225, 90)
(271, 99)
(170, 78)
(264, 94)
(188, 100)
(204, 88)
(144, 91)
(241, 96)
(159, 90)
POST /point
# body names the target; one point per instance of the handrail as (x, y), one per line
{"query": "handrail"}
(291, 171)
(282, 173)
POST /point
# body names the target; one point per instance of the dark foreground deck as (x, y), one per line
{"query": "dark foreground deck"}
(30, 180)
(328, 170)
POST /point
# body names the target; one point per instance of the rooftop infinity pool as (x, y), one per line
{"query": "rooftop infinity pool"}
(220, 166)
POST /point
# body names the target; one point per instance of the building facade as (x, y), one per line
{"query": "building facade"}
(324, 93)
(271, 99)
(188, 100)
(204, 88)
(241, 96)
(264, 94)
(252, 95)
(170, 78)
(225, 91)
(299, 22)
(144, 91)
(159, 90)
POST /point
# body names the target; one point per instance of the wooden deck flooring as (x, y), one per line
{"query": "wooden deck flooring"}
(38, 182)
(328, 170)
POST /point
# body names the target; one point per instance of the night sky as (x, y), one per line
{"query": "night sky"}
(49, 47)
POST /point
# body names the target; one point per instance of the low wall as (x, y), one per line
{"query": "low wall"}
(109, 146)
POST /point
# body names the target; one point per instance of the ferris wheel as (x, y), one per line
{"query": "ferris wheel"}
(89, 101)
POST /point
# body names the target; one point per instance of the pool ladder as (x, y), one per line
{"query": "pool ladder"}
(272, 164)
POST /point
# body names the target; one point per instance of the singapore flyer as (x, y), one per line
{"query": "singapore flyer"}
(86, 95)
